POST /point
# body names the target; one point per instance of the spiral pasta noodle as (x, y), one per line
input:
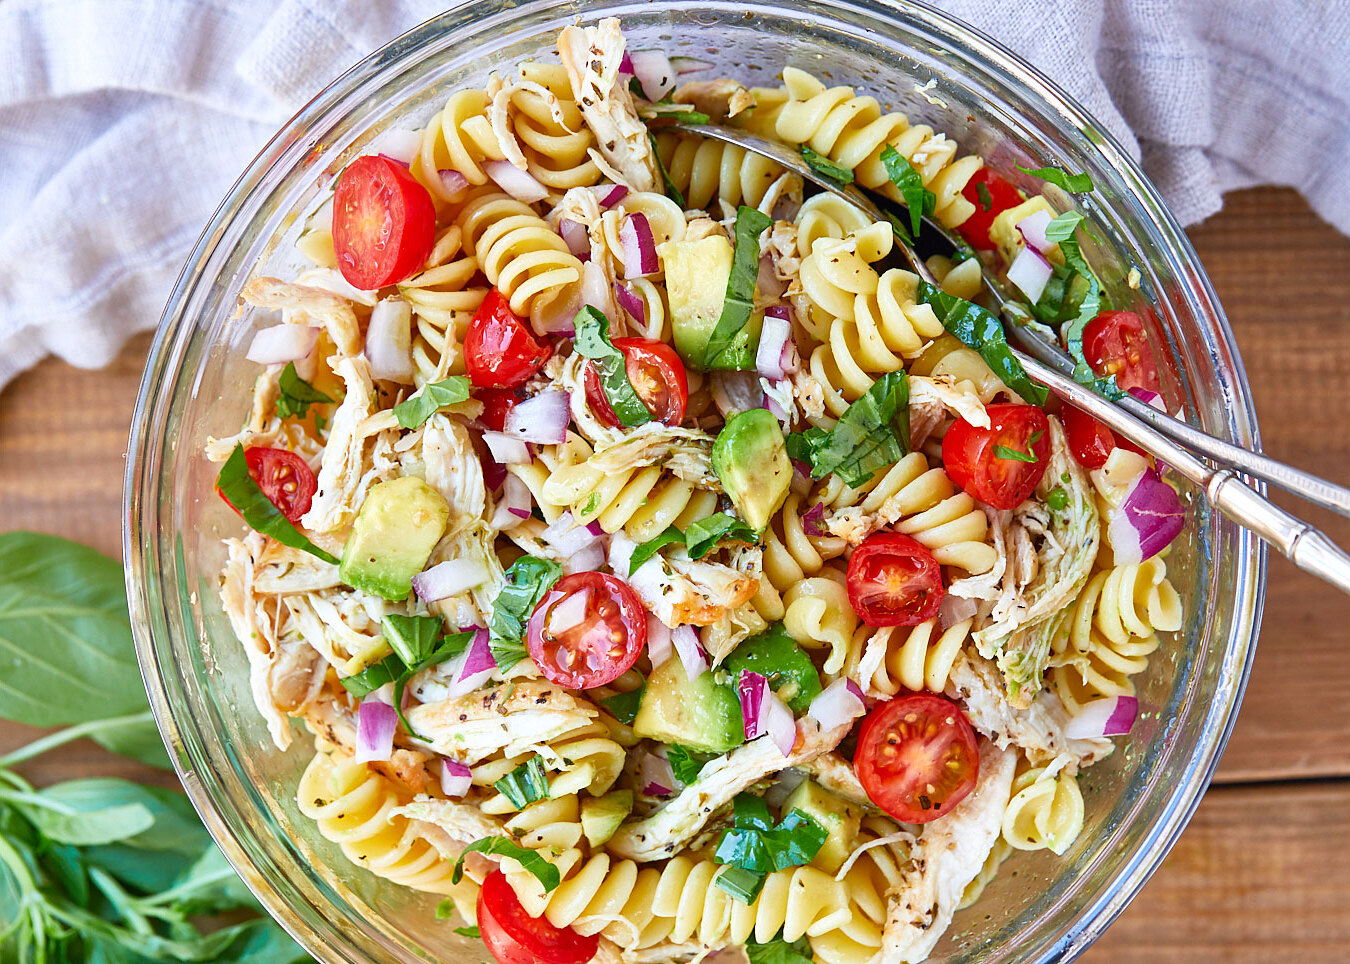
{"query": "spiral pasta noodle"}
(826, 215)
(884, 661)
(443, 299)
(818, 615)
(790, 555)
(1045, 812)
(457, 138)
(516, 249)
(555, 147)
(704, 170)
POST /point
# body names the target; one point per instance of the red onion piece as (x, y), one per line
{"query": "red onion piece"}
(813, 522)
(577, 238)
(494, 473)
(778, 311)
(801, 478)
(506, 449)
(568, 537)
(1151, 399)
(1147, 520)
(448, 578)
(472, 668)
(541, 418)
(401, 146)
(736, 391)
(1113, 716)
(659, 644)
(456, 778)
(837, 704)
(621, 554)
(655, 775)
(375, 725)
(691, 652)
(1030, 272)
(513, 505)
(639, 247)
(855, 689)
(453, 182)
(1032, 228)
(772, 404)
(389, 341)
(626, 65)
(653, 71)
(689, 65)
(956, 609)
(630, 303)
(608, 195)
(750, 688)
(767, 282)
(589, 559)
(282, 343)
(596, 292)
(521, 185)
(773, 338)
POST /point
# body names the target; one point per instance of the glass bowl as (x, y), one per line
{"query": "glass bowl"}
(197, 383)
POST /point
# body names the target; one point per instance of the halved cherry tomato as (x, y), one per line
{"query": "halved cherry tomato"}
(497, 404)
(384, 222)
(500, 351)
(514, 937)
(657, 375)
(592, 642)
(1000, 465)
(1001, 196)
(894, 581)
(284, 477)
(917, 757)
(1115, 343)
(1089, 440)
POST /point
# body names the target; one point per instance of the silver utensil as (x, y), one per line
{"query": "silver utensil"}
(1156, 432)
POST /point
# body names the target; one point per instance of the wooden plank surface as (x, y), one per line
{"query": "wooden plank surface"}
(1264, 870)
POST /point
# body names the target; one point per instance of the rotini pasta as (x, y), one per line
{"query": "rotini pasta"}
(548, 126)
(704, 170)
(443, 299)
(517, 250)
(1046, 810)
(883, 661)
(817, 614)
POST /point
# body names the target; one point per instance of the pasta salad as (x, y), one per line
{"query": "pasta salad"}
(654, 566)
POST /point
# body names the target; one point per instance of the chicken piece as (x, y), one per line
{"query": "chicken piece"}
(263, 428)
(680, 590)
(835, 774)
(684, 452)
(1037, 730)
(719, 99)
(280, 570)
(949, 854)
(512, 719)
(449, 824)
(932, 401)
(591, 56)
(452, 467)
(306, 305)
(334, 720)
(680, 820)
(345, 457)
(477, 544)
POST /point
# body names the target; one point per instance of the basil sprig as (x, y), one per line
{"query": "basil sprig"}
(526, 784)
(652, 546)
(872, 434)
(918, 199)
(528, 580)
(592, 341)
(825, 167)
(1073, 183)
(543, 871)
(740, 298)
(418, 644)
(295, 394)
(982, 331)
(412, 412)
(1062, 231)
(239, 489)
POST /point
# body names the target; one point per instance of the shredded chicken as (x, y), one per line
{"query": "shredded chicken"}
(333, 720)
(682, 591)
(719, 99)
(684, 452)
(933, 400)
(592, 56)
(306, 305)
(514, 718)
(345, 470)
(264, 428)
(451, 466)
(460, 823)
(680, 820)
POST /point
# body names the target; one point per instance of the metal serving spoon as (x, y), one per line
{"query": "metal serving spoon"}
(1161, 434)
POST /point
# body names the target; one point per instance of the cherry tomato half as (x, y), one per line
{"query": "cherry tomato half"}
(1115, 343)
(894, 581)
(587, 631)
(917, 757)
(998, 195)
(514, 937)
(284, 477)
(1089, 440)
(657, 375)
(497, 404)
(384, 223)
(500, 351)
(1000, 465)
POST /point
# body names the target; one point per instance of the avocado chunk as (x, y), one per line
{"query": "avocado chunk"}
(393, 535)
(601, 816)
(696, 287)
(841, 818)
(701, 714)
(750, 458)
(777, 657)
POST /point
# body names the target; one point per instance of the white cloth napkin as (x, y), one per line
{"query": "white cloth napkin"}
(123, 122)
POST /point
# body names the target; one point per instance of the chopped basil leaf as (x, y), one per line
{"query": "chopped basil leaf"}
(1011, 454)
(672, 191)
(898, 227)
(754, 845)
(685, 763)
(528, 580)
(797, 840)
(872, 434)
(470, 931)
(1057, 499)
(394, 669)
(373, 677)
(744, 849)
(525, 785)
(740, 297)
(684, 116)
(296, 394)
(543, 871)
(592, 341)
(240, 490)
(963, 252)
(703, 536)
(750, 812)
(986, 199)
(740, 884)
(414, 411)
(624, 706)
(978, 329)
(413, 638)
(779, 951)
(825, 167)
(1073, 183)
(918, 199)
(445, 910)
(652, 546)
(1061, 230)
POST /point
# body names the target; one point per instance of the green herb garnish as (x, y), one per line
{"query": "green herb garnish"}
(470, 931)
(624, 706)
(1061, 230)
(686, 764)
(825, 167)
(1004, 452)
(412, 412)
(684, 116)
(872, 434)
(743, 885)
(672, 191)
(386, 671)
(779, 951)
(740, 297)
(918, 199)
(1073, 183)
(979, 329)
(652, 546)
(413, 638)
(530, 860)
(296, 394)
(528, 580)
(526, 784)
(703, 536)
(592, 341)
(240, 490)
(986, 199)
(754, 846)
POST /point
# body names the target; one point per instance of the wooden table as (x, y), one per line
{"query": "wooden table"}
(1263, 872)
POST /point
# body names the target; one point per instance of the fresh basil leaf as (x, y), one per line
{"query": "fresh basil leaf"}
(744, 885)
(210, 886)
(470, 931)
(685, 763)
(746, 849)
(898, 227)
(1062, 231)
(82, 827)
(779, 951)
(796, 840)
(1011, 454)
(526, 784)
(652, 546)
(740, 297)
(672, 191)
(543, 871)
(1061, 228)
(295, 394)
(750, 812)
(986, 199)
(528, 580)
(825, 167)
(978, 329)
(240, 490)
(434, 396)
(918, 199)
(703, 536)
(1073, 183)
(685, 116)
(413, 638)
(803, 446)
(386, 671)
(872, 434)
(592, 341)
(624, 706)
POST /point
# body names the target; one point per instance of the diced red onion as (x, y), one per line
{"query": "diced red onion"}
(567, 612)
(659, 643)
(506, 449)
(449, 578)
(778, 311)
(956, 609)
(763, 712)
(801, 478)
(736, 391)
(686, 643)
(471, 669)
(389, 341)
(577, 238)
(655, 775)
(585, 560)
(456, 778)
(630, 303)
(767, 282)
(1113, 716)
(453, 182)
(595, 529)
(596, 292)
(375, 725)
(494, 473)
(1030, 272)
(540, 418)
(608, 195)
(813, 522)
(1151, 399)
(837, 704)
(773, 338)
(750, 688)
(773, 405)
(689, 65)
(568, 537)
(521, 185)
(282, 343)
(514, 504)
(1032, 228)
(398, 145)
(639, 247)
(621, 553)
(653, 70)
(779, 724)
(626, 65)
(1147, 520)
